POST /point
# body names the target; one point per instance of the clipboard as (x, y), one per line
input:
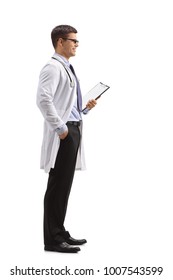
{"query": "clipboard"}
(94, 93)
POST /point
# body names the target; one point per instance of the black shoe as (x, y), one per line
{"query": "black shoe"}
(70, 240)
(62, 247)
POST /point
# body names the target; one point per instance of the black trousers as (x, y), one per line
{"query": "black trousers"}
(59, 186)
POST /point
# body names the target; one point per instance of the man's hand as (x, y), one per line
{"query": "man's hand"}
(63, 135)
(91, 104)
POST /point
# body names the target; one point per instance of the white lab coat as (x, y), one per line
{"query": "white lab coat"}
(55, 97)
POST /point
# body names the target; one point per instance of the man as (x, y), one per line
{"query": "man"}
(59, 99)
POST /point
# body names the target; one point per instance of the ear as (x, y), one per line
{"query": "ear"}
(60, 42)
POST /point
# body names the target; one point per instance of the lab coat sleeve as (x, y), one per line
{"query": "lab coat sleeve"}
(47, 87)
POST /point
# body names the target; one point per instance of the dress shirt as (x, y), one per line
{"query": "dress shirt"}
(75, 114)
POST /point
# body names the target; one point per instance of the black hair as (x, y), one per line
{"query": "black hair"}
(61, 31)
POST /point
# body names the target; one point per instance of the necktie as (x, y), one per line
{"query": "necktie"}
(79, 95)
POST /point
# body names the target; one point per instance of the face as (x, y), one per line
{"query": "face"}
(68, 45)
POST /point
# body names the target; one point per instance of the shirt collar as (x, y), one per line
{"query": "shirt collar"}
(65, 61)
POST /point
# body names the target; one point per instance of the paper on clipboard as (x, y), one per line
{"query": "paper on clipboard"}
(94, 93)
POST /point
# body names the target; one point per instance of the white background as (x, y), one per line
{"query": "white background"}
(122, 204)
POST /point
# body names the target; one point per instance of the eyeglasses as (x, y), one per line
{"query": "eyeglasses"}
(73, 40)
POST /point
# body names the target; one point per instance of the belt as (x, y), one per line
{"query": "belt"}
(74, 123)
